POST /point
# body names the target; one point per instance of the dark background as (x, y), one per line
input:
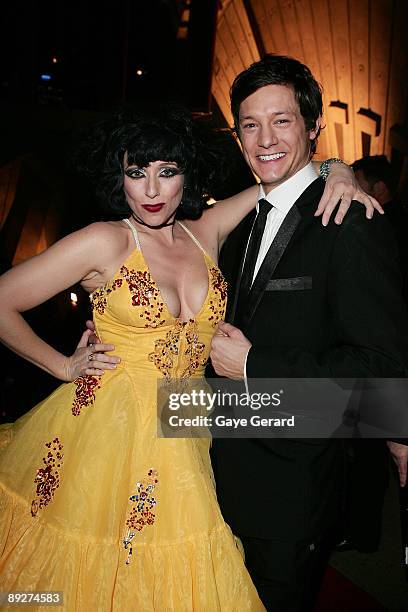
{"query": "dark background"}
(98, 48)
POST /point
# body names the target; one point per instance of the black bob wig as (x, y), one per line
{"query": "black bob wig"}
(148, 134)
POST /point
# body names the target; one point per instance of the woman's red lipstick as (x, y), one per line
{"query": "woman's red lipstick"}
(153, 208)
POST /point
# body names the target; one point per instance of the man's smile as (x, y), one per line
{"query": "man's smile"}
(271, 156)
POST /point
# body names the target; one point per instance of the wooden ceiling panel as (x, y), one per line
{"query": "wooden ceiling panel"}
(357, 50)
(235, 49)
(222, 54)
(359, 44)
(380, 52)
(291, 28)
(276, 27)
(344, 120)
(249, 39)
(262, 20)
(321, 18)
(219, 87)
(310, 53)
(310, 56)
(224, 31)
(238, 36)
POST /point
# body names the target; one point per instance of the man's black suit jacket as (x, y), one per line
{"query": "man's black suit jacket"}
(326, 303)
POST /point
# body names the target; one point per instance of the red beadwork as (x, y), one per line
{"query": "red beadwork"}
(47, 478)
(98, 297)
(219, 283)
(85, 393)
(144, 291)
(220, 287)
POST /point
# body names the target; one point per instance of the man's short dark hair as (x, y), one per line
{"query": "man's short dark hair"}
(280, 70)
(376, 168)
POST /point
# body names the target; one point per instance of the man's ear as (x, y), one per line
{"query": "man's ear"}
(314, 132)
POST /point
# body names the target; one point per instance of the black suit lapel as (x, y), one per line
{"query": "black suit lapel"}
(279, 245)
(272, 258)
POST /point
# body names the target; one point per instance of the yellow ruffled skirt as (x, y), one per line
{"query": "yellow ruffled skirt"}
(93, 504)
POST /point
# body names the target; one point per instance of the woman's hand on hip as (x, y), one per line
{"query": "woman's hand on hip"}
(89, 359)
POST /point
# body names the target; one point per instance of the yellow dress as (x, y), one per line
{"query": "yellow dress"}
(92, 502)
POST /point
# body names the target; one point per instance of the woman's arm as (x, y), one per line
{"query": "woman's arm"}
(341, 186)
(35, 281)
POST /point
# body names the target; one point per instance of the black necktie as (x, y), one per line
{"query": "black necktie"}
(253, 248)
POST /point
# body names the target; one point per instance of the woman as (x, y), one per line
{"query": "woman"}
(94, 504)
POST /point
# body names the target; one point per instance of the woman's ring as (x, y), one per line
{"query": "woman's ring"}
(90, 357)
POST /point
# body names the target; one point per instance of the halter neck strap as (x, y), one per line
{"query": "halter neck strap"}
(134, 232)
(193, 238)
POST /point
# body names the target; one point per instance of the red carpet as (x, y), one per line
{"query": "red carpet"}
(338, 594)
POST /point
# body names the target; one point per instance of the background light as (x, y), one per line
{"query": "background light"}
(46, 77)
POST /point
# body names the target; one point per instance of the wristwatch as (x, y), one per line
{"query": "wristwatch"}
(325, 166)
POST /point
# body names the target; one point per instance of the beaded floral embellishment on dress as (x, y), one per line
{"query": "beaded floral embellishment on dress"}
(99, 296)
(48, 479)
(84, 393)
(141, 513)
(217, 305)
(144, 293)
(165, 349)
(194, 350)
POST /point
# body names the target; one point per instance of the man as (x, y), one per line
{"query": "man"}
(376, 176)
(366, 489)
(309, 302)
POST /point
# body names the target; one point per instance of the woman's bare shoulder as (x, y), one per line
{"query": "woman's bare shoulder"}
(105, 229)
(110, 241)
(108, 236)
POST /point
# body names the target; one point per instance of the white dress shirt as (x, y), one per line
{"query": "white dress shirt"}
(282, 199)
